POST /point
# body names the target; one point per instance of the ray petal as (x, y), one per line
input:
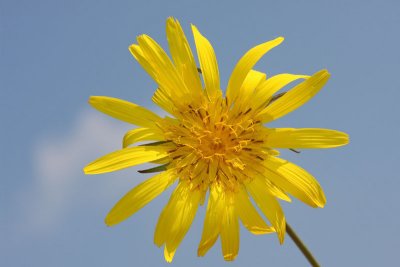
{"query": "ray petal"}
(295, 180)
(140, 196)
(249, 215)
(306, 138)
(208, 64)
(245, 64)
(124, 110)
(269, 206)
(230, 229)
(246, 93)
(157, 63)
(125, 158)
(213, 220)
(182, 56)
(269, 87)
(176, 219)
(295, 98)
(141, 134)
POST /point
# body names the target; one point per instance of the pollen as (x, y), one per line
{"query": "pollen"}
(212, 136)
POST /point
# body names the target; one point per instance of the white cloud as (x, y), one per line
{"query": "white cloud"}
(59, 184)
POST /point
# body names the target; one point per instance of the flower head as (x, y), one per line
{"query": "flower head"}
(214, 143)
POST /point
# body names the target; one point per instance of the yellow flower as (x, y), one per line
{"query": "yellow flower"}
(214, 143)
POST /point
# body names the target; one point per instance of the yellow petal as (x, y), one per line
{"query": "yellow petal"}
(125, 158)
(163, 95)
(212, 170)
(249, 215)
(162, 99)
(166, 218)
(157, 63)
(294, 180)
(176, 218)
(124, 110)
(169, 255)
(182, 56)
(140, 57)
(141, 134)
(230, 229)
(268, 88)
(245, 64)
(163, 161)
(184, 215)
(295, 98)
(139, 196)
(306, 138)
(270, 207)
(166, 72)
(208, 64)
(252, 80)
(245, 97)
(275, 190)
(213, 219)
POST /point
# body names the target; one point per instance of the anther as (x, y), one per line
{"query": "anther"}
(247, 111)
(260, 158)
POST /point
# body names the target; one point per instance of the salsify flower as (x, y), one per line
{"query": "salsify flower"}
(214, 143)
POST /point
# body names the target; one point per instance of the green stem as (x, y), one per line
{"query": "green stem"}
(301, 246)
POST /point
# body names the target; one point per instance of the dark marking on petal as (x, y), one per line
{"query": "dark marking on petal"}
(155, 169)
(276, 97)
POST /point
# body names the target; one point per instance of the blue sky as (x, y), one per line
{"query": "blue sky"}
(55, 54)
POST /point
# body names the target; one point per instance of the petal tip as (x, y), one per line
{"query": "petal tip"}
(132, 47)
(168, 255)
(142, 38)
(200, 252)
(280, 39)
(320, 203)
(230, 257)
(108, 221)
(325, 72)
(87, 170)
(282, 231)
(194, 29)
(346, 139)
(281, 236)
(93, 99)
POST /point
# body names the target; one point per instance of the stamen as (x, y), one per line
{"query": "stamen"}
(211, 133)
(247, 111)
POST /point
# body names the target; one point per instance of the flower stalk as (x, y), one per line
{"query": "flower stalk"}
(306, 252)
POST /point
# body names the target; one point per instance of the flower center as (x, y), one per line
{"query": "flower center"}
(214, 144)
(218, 143)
